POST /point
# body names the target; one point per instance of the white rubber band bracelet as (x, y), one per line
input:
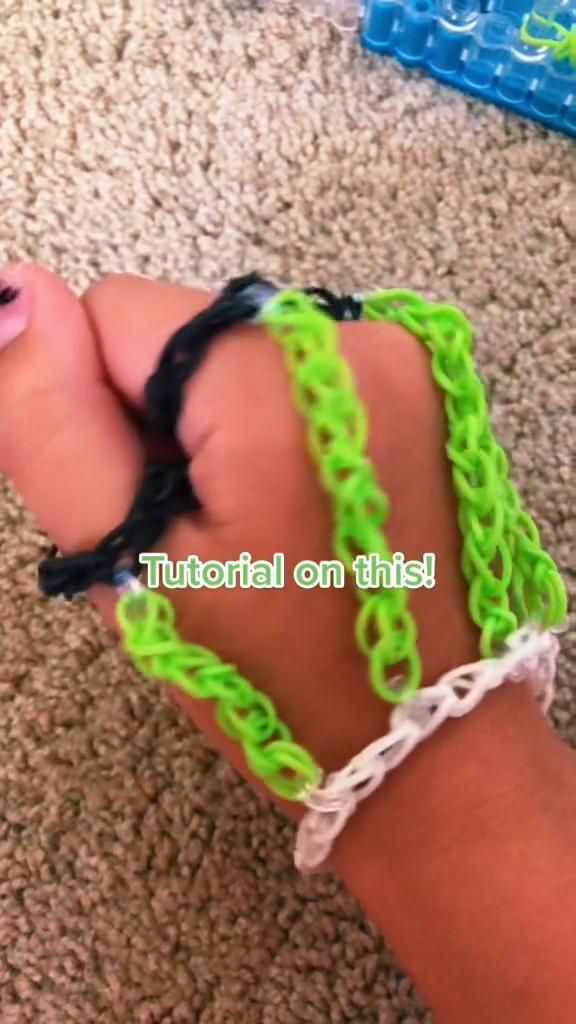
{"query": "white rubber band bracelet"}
(531, 656)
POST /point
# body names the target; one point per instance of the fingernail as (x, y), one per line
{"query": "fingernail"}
(15, 304)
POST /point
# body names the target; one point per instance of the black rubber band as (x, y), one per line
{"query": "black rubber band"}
(165, 491)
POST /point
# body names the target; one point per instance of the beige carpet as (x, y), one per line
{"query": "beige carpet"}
(140, 882)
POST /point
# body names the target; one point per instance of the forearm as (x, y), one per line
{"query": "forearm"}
(466, 860)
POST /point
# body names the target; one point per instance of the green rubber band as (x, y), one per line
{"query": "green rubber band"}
(147, 621)
(562, 41)
(326, 396)
(511, 579)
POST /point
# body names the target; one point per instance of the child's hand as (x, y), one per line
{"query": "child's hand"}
(69, 385)
(465, 857)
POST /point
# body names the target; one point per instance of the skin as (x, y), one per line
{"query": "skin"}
(466, 858)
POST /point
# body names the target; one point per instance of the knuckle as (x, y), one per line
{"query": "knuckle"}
(108, 286)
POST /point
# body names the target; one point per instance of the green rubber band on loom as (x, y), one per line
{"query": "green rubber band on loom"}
(562, 44)
(511, 579)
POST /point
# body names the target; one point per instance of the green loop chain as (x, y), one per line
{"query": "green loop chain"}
(561, 41)
(511, 579)
(326, 396)
(147, 621)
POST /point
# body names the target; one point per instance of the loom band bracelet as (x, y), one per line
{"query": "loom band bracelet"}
(519, 532)
(298, 327)
(529, 655)
(455, 393)
(443, 324)
(344, 456)
(147, 625)
(508, 586)
(523, 547)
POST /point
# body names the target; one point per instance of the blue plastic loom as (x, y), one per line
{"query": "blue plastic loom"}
(478, 46)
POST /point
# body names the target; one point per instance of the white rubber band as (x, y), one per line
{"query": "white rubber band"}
(531, 656)
(125, 582)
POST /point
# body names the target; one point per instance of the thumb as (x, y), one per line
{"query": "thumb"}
(65, 440)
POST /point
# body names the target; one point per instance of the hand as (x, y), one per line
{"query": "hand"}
(466, 856)
(69, 388)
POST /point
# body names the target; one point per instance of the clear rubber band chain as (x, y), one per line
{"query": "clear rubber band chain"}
(531, 657)
(511, 579)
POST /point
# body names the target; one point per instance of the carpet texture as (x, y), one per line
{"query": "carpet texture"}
(140, 881)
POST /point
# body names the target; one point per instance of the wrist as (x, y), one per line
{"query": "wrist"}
(468, 768)
(463, 848)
